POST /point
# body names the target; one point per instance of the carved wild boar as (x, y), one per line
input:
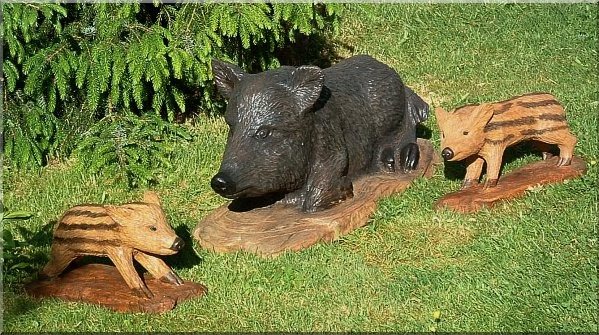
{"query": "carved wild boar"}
(306, 133)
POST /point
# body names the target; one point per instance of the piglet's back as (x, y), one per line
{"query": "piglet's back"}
(87, 228)
(525, 115)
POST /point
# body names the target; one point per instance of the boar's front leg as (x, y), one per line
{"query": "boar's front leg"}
(123, 260)
(158, 269)
(327, 183)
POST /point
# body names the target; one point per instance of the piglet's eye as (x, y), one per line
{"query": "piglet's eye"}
(262, 133)
(153, 228)
(465, 133)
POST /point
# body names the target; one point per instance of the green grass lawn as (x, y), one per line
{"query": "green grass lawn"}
(526, 265)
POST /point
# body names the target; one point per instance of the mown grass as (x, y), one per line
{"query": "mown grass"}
(528, 264)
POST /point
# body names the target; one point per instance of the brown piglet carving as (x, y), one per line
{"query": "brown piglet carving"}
(136, 230)
(481, 133)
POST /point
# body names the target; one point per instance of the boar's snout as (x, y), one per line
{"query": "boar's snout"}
(447, 154)
(178, 244)
(222, 184)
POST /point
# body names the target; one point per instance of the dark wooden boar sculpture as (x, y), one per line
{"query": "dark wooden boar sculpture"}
(306, 133)
(481, 133)
(132, 231)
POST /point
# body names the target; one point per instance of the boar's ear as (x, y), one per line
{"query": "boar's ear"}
(151, 197)
(306, 84)
(226, 76)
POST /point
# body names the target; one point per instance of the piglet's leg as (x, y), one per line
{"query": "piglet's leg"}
(473, 171)
(123, 260)
(566, 149)
(565, 142)
(493, 167)
(158, 269)
(60, 259)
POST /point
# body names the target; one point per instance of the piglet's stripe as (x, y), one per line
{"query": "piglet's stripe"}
(83, 240)
(87, 226)
(552, 117)
(86, 213)
(533, 104)
(527, 120)
(503, 140)
(534, 132)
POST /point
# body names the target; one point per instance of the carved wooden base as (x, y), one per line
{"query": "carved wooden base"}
(103, 285)
(268, 231)
(512, 185)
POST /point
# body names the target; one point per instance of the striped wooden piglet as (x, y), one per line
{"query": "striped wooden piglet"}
(136, 230)
(481, 133)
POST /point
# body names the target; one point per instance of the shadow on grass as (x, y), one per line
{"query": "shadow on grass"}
(424, 132)
(319, 50)
(187, 257)
(18, 304)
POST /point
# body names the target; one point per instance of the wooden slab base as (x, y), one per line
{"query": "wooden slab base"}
(512, 185)
(269, 231)
(102, 284)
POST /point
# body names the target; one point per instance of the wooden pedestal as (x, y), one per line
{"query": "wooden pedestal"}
(103, 285)
(271, 230)
(512, 185)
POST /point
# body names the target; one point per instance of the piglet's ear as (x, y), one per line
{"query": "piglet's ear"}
(120, 214)
(226, 76)
(151, 197)
(306, 84)
(440, 114)
(483, 113)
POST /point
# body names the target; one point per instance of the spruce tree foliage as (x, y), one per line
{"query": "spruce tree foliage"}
(131, 148)
(66, 66)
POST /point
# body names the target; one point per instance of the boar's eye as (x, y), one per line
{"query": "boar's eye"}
(153, 228)
(465, 132)
(262, 133)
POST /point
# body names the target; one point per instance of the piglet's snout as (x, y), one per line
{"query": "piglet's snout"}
(447, 153)
(178, 244)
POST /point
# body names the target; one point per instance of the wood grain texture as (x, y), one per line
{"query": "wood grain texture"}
(269, 231)
(103, 285)
(512, 185)
(119, 233)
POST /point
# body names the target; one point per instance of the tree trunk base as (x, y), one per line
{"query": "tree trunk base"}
(103, 285)
(271, 230)
(512, 185)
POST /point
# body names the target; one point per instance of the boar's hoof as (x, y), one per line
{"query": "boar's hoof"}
(563, 161)
(409, 156)
(172, 278)
(490, 183)
(388, 159)
(143, 292)
(467, 183)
